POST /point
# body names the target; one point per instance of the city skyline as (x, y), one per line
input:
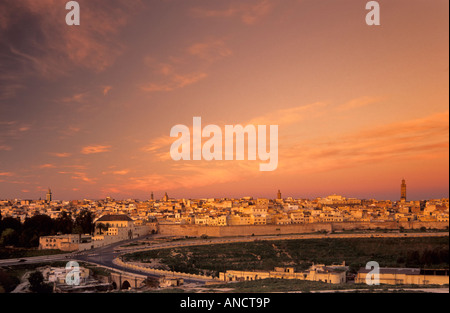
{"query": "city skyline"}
(87, 110)
(165, 197)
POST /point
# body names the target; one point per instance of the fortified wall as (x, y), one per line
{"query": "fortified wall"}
(258, 230)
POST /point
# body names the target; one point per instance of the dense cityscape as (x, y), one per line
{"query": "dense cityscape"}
(244, 211)
(124, 229)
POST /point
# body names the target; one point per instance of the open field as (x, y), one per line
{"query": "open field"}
(429, 252)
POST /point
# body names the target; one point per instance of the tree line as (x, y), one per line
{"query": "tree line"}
(26, 234)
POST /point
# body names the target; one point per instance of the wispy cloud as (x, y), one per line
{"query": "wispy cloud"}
(106, 90)
(116, 172)
(190, 178)
(416, 139)
(6, 174)
(61, 154)
(83, 176)
(5, 148)
(160, 146)
(358, 103)
(175, 81)
(211, 50)
(76, 98)
(188, 68)
(92, 46)
(37, 43)
(12, 130)
(48, 165)
(95, 149)
(249, 12)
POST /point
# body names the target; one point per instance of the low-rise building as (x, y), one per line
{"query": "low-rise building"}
(69, 242)
(335, 274)
(405, 276)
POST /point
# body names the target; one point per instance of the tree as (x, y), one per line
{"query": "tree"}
(35, 227)
(9, 237)
(8, 281)
(84, 222)
(101, 227)
(413, 258)
(64, 223)
(37, 284)
(10, 222)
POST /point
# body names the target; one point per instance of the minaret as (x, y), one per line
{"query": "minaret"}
(279, 195)
(48, 197)
(403, 191)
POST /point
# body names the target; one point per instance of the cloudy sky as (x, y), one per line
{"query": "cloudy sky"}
(87, 110)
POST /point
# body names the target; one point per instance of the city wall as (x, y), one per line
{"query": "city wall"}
(258, 230)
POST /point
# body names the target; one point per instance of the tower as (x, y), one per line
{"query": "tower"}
(152, 197)
(279, 195)
(403, 191)
(166, 197)
(48, 197)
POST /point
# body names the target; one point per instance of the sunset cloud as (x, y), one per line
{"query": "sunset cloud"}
(117, 172)
(78, 98)
(43, 166)
(82, 176)
(175, 82)
(211, 50)
(249, 12)
(95, 149)
(61, 155)
(191, 178)
(183, 70)
(92, 45)
(358, 103)
(106, 90)
(415, 139)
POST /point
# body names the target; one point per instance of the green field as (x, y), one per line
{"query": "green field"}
(429, 252)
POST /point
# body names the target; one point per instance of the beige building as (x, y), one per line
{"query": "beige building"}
(58, 275)
(118, 227)
(406, 276)
(109, 229)
(335, 274)
(165, 282)
(62, 242)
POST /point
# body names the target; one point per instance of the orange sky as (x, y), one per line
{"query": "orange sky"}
(87, 110)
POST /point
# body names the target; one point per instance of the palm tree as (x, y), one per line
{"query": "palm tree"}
(101, 227)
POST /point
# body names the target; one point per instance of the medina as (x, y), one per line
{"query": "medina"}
(212, 149)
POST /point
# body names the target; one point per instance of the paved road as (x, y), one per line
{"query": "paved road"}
(102, 254)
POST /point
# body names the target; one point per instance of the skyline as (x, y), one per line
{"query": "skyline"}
(87, 110)
(152, 197)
